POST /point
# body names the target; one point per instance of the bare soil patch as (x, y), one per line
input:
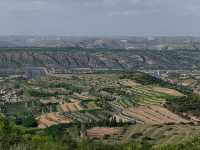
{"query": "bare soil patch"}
(50, 119)
(129, 83)
(71, 107)
(101, 132)
(84, 96)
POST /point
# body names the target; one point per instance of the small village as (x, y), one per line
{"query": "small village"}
(10, 96)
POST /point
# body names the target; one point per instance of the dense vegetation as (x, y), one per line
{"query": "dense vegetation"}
(36, 93)
(190, 145)
(187, 104)
(53, 138)
(70, 87)
(59, 138)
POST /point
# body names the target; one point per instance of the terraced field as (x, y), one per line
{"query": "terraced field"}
(153, 114)
(85, 116)
(89, 104)
(86, 97)
(145, 95)
(128, 83)
(168, 91)
(83, 96)
(128, 94)
(102, 132)
(155, 134)
(116, 108)
(70, 107)
(184, 77)
(50, 119)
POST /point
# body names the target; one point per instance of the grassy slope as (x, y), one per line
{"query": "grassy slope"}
(159, 134)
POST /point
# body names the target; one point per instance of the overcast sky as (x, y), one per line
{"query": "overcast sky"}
(100, 17)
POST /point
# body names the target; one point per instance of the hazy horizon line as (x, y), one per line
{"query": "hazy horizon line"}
(93, 36)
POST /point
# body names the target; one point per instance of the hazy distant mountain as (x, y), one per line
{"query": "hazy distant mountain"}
(7, 44)
(154, 43)
(17, 53)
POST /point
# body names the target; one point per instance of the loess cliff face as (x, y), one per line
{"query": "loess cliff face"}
(100, 59)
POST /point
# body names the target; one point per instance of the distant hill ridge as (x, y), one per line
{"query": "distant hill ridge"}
(138, 43)
(62, 60)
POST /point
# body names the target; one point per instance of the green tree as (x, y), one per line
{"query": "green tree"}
(30, 121)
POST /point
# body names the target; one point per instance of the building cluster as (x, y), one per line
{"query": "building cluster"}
(9, 96)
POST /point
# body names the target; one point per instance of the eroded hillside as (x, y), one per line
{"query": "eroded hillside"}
(63, 60)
